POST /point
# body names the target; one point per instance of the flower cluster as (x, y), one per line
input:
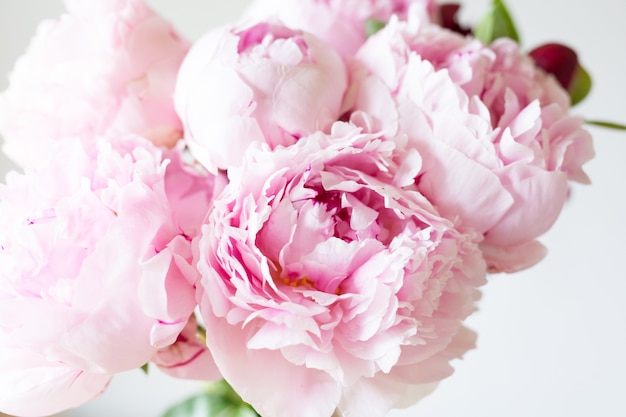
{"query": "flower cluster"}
(295, 198)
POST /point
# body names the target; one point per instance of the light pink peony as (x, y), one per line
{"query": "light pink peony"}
(104, 65)
(263, 83)
(329, 278)
(341, 23)
(95, 269)
(507, 180)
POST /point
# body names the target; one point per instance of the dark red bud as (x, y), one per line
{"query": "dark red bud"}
(447, 14)
(558, 60)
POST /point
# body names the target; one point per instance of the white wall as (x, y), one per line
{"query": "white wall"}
(552, 340)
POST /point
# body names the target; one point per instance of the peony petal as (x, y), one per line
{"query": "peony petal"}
(514, 258)
(462, 188)
(188, 357)
(539, 197)
(27, 376)
(288, 390)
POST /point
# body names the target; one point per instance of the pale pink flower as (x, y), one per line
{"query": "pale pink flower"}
(329, 278)
(104, 65)
(508, 179)
(341, 23)
(96, 271)
(265, 83)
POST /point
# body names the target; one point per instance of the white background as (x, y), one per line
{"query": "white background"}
(552, 340)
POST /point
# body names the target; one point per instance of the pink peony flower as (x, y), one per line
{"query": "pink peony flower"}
(507, 180)
(104, 65)
(264, 83)
(329, 278)
(341, 23)
(95, 269)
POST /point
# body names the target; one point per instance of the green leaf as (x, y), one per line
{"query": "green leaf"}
(372, 26)
(605, 124)
(218, 400)
(496, 23)
(197, 406)
(144, 368)
(580, 85)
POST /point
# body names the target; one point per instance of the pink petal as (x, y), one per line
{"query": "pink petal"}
(287, 390)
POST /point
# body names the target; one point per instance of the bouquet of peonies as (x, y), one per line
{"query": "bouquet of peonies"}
(302, 204)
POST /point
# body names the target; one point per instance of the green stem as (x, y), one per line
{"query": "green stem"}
(606, 124)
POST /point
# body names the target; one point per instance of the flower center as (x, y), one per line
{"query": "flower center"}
(299, 282)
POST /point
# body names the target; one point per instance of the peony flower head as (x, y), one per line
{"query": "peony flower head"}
(95, 269)
(505, 178)
(341, 23)
(329, 277)
(104, 65)
(265, 83)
